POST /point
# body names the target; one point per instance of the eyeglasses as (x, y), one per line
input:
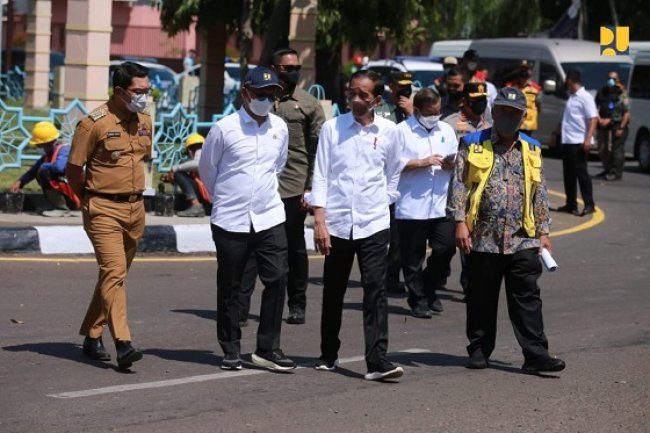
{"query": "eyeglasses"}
(289, 68)
(262, 96)
(141, 91)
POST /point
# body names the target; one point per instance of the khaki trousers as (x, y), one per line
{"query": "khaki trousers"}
(114, 229)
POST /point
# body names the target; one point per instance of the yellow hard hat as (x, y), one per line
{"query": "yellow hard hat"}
(193, 139)
(43, 132)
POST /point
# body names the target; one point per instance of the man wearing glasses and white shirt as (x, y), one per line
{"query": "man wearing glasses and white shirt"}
(242, 157)
(355, 180)
(429, 147)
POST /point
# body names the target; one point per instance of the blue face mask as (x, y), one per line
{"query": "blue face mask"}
(611, 82)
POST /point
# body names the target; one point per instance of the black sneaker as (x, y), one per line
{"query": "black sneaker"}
(231, 362)
(436, 306)
(542, 364)
(274, 361)
(477, 361)
(421, 312)
(385, 370)
(322, 364)
(296, 316)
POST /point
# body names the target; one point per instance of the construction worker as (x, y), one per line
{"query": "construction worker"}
(186, 177)
(49, 171)
(532, 91)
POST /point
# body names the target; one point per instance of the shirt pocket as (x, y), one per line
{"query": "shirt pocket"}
(535, 164)
(111, 147)
(479, 164)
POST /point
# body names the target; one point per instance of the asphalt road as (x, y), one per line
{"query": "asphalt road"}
(595, 309)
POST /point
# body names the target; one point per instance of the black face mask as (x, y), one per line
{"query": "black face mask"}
(404, 91)
(454, 96)
(290, 78)
(478, 107)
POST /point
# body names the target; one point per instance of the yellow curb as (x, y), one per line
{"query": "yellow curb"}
(596, 218)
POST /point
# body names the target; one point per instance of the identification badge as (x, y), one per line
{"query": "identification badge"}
(478, 148)
(113, 134)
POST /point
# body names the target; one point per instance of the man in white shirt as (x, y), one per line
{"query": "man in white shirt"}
(355, 180)
(241, 159)
(429, 147)
(578, 127)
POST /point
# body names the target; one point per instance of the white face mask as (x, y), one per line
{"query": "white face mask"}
(260, 108)
(429, 122)
(138, 103)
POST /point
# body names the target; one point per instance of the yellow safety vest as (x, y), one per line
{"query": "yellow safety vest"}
(530, 123)
(481, 160)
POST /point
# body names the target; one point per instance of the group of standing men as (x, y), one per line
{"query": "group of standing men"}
(257, 167)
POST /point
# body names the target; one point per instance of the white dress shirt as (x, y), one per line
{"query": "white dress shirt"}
(356, 174)
(239, 166)
(579, 110)
(423, 191)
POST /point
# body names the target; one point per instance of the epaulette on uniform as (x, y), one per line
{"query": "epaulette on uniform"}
(98, 113)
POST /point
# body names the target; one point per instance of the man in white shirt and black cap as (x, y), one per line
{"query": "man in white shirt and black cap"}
(242, 157)
(355, 179)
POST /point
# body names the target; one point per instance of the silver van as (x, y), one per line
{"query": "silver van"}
(638, 138)
(550, 60)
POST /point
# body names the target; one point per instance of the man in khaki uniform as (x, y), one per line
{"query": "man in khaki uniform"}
(113, 142)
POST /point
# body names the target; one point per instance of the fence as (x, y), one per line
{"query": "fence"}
(171, 128)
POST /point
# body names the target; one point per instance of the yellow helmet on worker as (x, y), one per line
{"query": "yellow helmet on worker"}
(193, 139)
(43, 133)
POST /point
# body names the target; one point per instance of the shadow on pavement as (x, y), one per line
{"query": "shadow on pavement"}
(210, 314)
(206, 357)
(69, 351)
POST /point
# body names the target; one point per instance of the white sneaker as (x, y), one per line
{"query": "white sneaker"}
(385, 371)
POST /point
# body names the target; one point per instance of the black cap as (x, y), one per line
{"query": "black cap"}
(475, 90)
(401, 78)
(471, 55)
(511, 97)
(261, 77)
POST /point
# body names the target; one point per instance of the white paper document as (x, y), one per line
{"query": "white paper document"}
(548, 261)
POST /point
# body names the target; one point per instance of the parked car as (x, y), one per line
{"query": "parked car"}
(550, 59)
(424, 70)
(231, 76)
(638, 139)
(452, 47)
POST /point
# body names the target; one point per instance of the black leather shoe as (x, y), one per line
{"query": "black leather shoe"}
(126, 354)
(568, 209)
(477, 361)
(545, 363)
(296, 316)
(436, 306)
(588, 210)
(94, 349)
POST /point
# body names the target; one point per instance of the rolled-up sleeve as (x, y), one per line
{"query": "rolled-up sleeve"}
(394, 164)
(211, 154)
(321, 167)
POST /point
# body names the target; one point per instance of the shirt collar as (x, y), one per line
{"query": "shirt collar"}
(243, 114)
(120, 115)
(413, 122)
(350, 121)
(496, 140)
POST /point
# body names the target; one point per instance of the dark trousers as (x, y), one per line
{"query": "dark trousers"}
(612, 150)
(574, 164)
(521, 272)
(233, 250)
(371, 255)
(298, 262)
(394, 255)
(187, 185)
(414, 235)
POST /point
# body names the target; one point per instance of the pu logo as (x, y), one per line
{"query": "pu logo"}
(512, 96)
(267, 76)
(481, 89)
(614, 41)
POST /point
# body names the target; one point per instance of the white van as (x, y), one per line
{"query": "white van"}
(638, 139)
(452, 47)
(550, 60)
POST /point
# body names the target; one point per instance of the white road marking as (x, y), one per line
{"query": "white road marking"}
(195, 379)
